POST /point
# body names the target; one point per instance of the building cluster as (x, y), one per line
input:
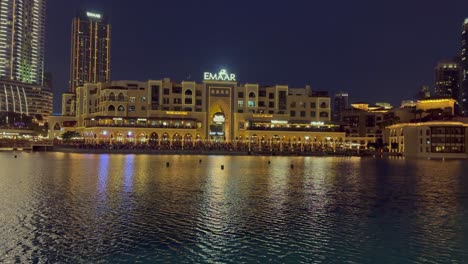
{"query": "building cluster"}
(168, 113)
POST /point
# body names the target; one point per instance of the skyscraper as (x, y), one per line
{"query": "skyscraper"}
(90, 50)
(447, 80)
(22, 32)
(340, 104)
(464, 64)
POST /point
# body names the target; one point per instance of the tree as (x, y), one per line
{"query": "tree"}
(69, 135)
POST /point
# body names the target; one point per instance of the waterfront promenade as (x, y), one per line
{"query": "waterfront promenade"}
(207, 149)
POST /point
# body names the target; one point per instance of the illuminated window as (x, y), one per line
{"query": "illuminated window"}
(251, 103)
(240, 103)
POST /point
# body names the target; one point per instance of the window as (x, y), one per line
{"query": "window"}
(131, 99)
(323, 105)
(323, 114)
(271, 104)
(131, 108)
(188, 100)
(252, 95)
(165, 100)
(240, 94)
(312, 113)
(261, 104)
(293, 113)
(120, 108)
(293, 104)
(303, 114)
(143, 99)
(313, 105)
(143, 108)
(177, 101)
(271, 95)
(198, 93)
(262, 93)
(240, 103)
(282, 100)
(251, 103)
(198, 102)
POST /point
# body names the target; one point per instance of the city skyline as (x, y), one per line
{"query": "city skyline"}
(371, 62)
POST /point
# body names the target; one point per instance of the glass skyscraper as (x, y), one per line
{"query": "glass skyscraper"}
(22, 29)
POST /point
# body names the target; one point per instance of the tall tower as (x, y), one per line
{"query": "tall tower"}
(22, 29)
(341, 102)
(90, 50)
(447, 80)
(464, 64)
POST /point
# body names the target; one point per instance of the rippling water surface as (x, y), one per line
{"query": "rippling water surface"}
(57, 207)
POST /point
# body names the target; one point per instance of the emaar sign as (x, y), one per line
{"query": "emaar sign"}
(222, 75)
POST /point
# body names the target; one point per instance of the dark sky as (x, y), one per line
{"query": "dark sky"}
(375, 50)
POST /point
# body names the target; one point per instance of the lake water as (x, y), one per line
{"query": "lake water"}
(83, 208)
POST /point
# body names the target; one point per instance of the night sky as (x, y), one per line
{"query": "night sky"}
(375, 51)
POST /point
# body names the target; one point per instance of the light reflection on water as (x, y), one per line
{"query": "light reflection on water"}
(57, 207)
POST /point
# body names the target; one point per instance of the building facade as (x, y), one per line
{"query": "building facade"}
(22, 33)
(447, 77)
(340, 104)
(216, 110)
(464, 66)
(90, 50)
(439, 139)
(364, 124)
(28, 99)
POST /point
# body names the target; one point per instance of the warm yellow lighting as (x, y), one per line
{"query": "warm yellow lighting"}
(176, 113)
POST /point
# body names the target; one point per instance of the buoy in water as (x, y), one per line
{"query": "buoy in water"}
(167, 164)
(199, 161)
(222, 167)
(269, 162)
(292, 166)
(16, 156)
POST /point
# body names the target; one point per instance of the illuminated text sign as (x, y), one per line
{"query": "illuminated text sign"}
(222, 75)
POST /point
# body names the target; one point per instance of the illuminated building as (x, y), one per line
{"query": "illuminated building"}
(447, 80)
(22, 58)
(90, 50)
(341, 103)
(217, 110)
(435, 139)
(28, 99)
(464, 64)
(364, 124)
(22, 40)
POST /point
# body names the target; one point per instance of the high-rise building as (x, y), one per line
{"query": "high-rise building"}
(22, 32)
(90, 50)
(447, 80)
(340, 104)
(464, 65)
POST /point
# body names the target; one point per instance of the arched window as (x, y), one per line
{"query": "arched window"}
(120, 108)
(111, 97)
(323, 105)
(323, 114)
(188, 92)
(111, 108)
(57, 126)
(251, 95)
(121, 97)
